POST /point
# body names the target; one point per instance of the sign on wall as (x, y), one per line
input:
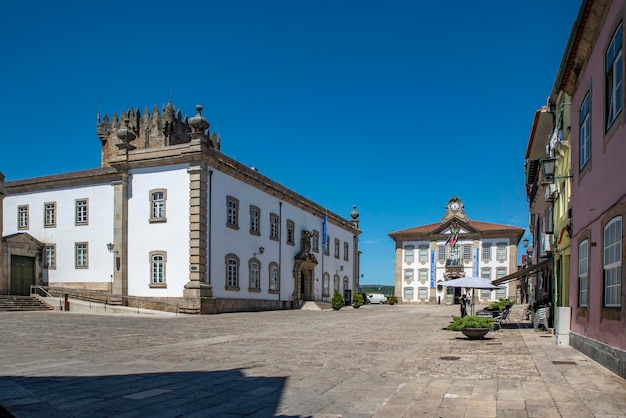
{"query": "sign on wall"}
(432, 269)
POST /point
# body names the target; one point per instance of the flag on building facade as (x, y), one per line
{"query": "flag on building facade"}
(325, 232)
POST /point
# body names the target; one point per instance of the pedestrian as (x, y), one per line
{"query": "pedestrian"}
(463, 306)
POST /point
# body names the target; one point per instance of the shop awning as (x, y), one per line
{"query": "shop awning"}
(522, 272)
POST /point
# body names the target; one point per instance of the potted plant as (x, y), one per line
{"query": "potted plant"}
(393, 299)
(337, 301)
(473, 327)
(357, 300)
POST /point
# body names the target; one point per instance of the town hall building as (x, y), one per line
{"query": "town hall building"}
(428, 255)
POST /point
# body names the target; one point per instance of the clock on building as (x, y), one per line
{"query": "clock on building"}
(455, 206)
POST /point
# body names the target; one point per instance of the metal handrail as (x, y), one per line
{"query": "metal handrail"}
(35, 288)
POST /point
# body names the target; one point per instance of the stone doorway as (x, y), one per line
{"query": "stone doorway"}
(22, 274)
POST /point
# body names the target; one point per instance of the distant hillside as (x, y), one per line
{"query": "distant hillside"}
(377, 288)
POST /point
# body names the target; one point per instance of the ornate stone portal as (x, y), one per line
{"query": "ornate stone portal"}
(304, 270)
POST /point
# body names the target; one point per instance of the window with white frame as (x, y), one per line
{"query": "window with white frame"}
(51, 256)
(291, 232)
(585, 132)
(326, 285)
(614, 75)
(408, 275)
(50, 214)
(232, 272)
(485, 273)
(423, 275)
(232, 208)
(441, 253)
(157, 205)
(81, 256)
(336, 247)
(408, 293)
(423, 249)
(501, 291)
(255, 220)
(22, 217)
(486, 251)
(158, 261)
(81, 211)
(467, 252)
(583, 270)
(422, 293)
(501, 251)
(274, 227)
(612, 263)
(408, 254)
(346, 251)
(255, 276)
(274, 278)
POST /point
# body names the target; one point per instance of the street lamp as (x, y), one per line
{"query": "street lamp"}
(547, 167)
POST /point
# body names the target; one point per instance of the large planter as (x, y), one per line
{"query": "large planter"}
(336, 307)
(475, 333)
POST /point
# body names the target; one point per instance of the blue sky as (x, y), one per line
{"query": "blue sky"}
(392, 106)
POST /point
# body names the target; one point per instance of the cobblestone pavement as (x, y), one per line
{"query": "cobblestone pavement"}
(376, 361)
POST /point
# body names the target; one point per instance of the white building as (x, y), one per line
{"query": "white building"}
(428, 255)
(170, 222)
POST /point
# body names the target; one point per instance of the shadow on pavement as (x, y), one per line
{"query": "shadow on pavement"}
(223, 393)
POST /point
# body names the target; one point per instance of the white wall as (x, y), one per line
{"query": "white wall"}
(171, 236)
(97, 233)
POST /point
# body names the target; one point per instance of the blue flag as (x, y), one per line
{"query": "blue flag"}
(324, 232)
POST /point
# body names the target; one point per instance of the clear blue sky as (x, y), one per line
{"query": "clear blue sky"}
(392, 106)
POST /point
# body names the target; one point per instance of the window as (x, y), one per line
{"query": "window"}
(316, 241)
(50, 215)
(232, 216)
(485, 294)
(336, 247)
(22, 217)
(326, 285)
(423, 275)
(501, 251)
(408, 275)
(422, 293)
(255, 220)
(423, 254)
(274, 278)
(157, 205)
(81, 211)
(585, 132)
(441, 253)
(612, 263)
(583, 269)
(500, 272)
(327, 246)
(51, 256)
(274, 223)
(346, 251)
(232, 272)
(157, 269)
(336, 280)
(408, 254)
(255, 276)
(291, 227)
(487, 251)
(467, 252)
(501, 293)
(408, 293)
(346, 285)
(81, 255)
(614, 77)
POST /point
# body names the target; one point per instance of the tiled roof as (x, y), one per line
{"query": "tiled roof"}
(64, 176)
(478, 225)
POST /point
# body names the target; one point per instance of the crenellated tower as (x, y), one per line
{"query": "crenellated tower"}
(136, 131)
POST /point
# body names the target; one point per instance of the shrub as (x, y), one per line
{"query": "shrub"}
(501, 304)
(393, 299)
(470, 322)
(357, 299)
(337, 300)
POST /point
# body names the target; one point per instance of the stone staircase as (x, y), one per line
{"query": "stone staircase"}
(9, 303)
(315, 306)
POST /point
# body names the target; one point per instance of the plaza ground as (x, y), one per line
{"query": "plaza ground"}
(376, 361)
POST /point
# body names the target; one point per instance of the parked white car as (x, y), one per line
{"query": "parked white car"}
(376, 298)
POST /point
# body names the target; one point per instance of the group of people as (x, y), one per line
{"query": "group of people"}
(465, 303)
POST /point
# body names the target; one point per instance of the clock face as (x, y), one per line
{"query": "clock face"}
(454, 206)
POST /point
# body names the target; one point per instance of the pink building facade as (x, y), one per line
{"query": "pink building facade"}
(595, 80)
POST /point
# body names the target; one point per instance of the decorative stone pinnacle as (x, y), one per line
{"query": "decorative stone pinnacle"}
(126, 134)
(198, 123)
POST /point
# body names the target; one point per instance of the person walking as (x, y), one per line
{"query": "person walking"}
(463, 306)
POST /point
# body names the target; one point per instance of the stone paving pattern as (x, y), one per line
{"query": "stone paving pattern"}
(376, 361)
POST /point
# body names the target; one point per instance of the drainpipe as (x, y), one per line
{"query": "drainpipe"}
(280, 247)
(210, 253)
